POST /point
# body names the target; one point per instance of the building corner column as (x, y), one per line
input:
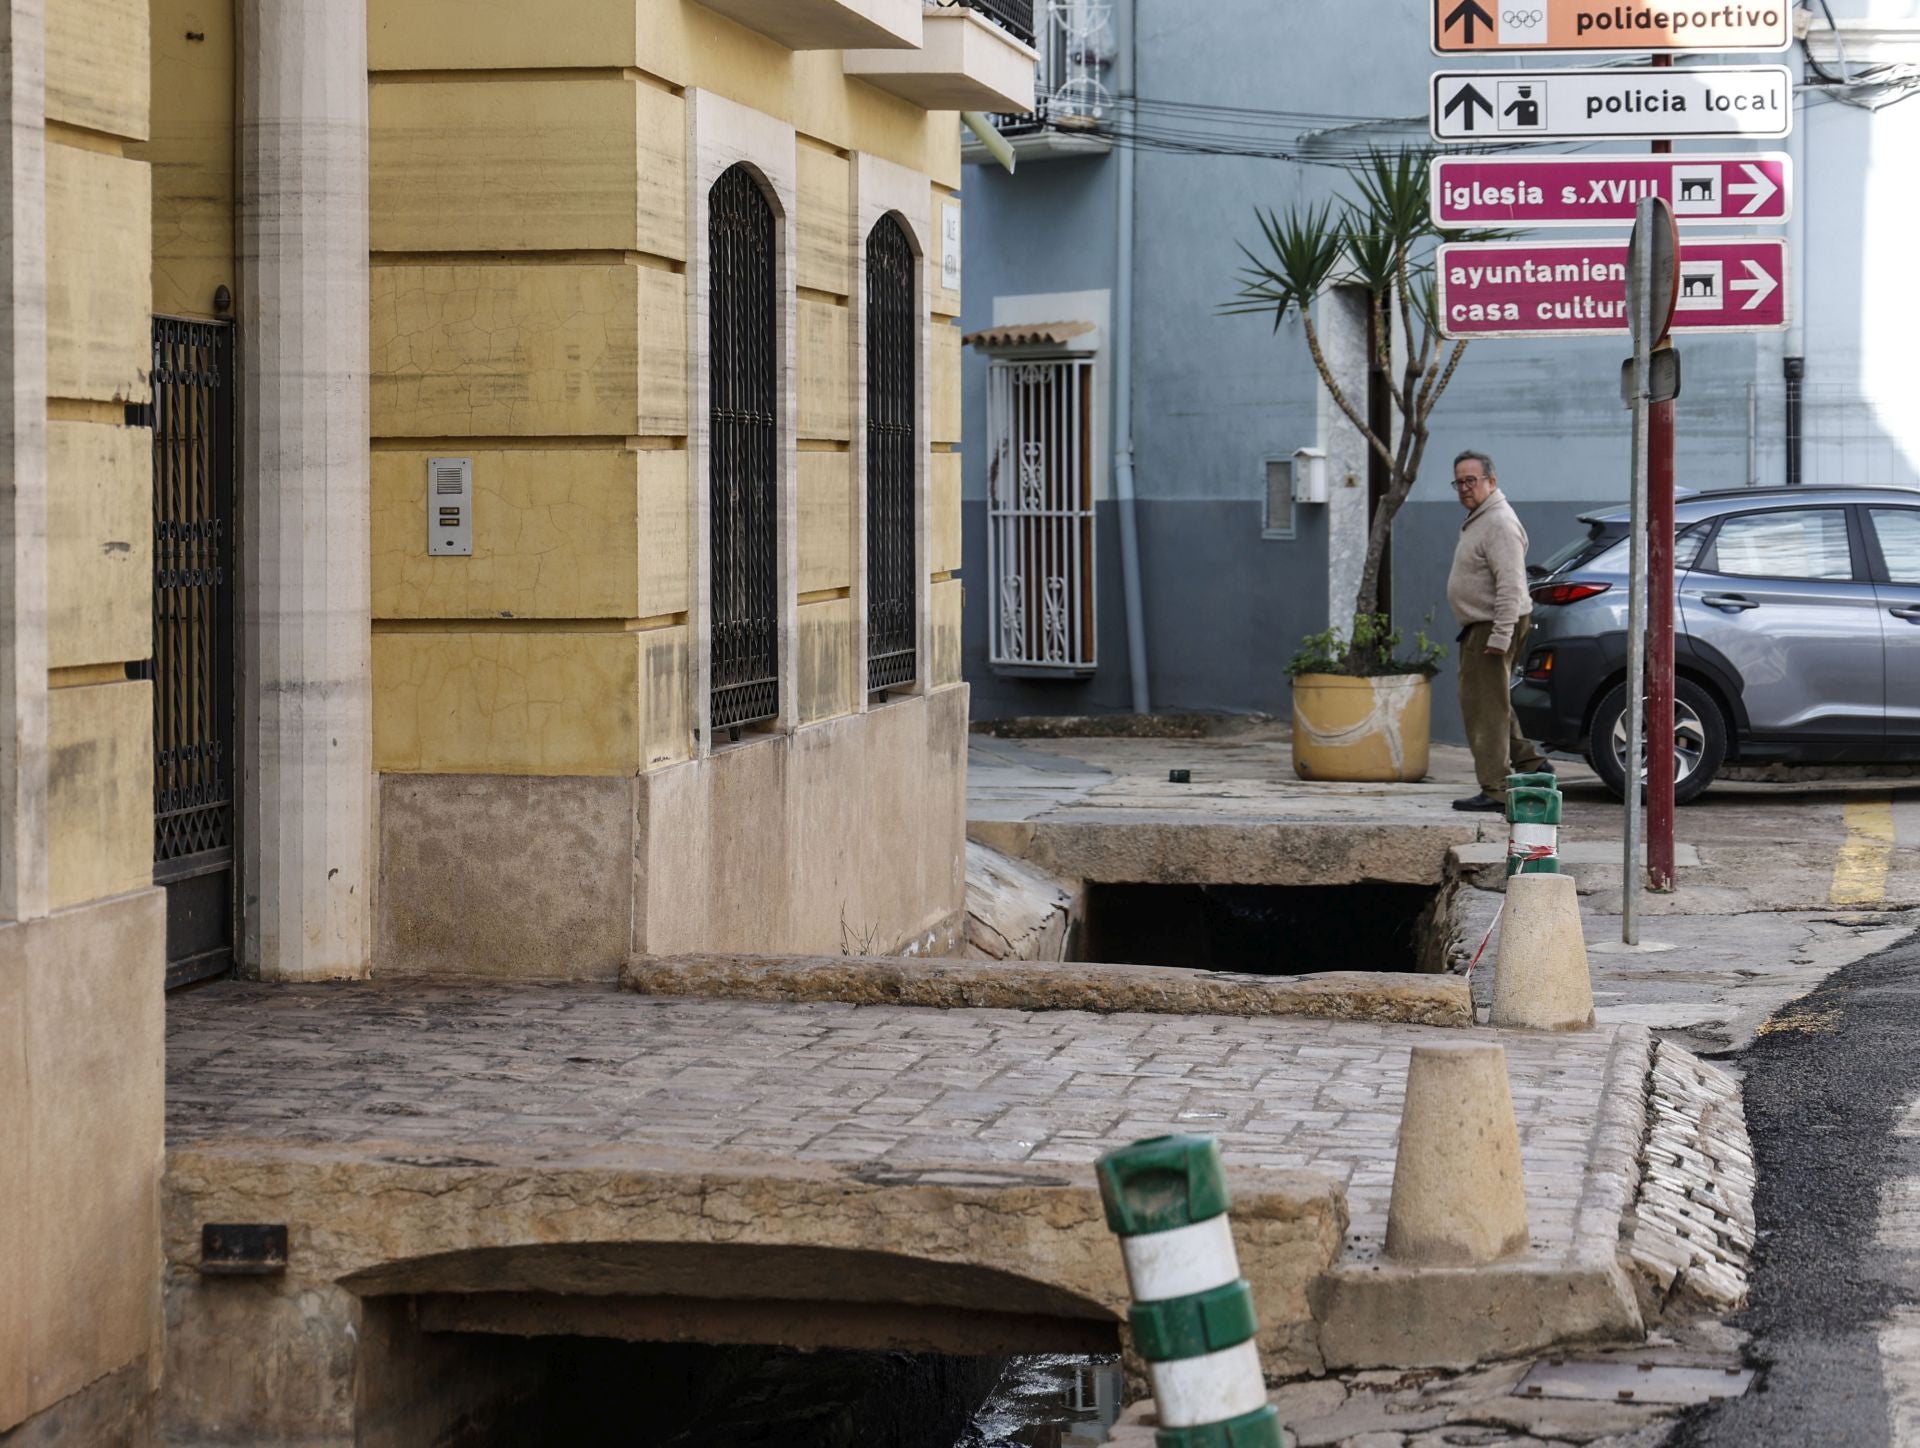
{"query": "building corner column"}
(23, 463)
(305, 589)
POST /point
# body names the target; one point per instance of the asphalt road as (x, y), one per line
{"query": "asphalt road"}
(1835, 1308)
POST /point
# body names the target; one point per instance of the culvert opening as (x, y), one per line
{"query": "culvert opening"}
(1266, 929)
(576, 1390)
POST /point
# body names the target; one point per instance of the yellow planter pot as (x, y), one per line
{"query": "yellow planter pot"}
(1361, 730)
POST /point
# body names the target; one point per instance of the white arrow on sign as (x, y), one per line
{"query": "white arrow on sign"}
(1756, 281)
(1760, 188)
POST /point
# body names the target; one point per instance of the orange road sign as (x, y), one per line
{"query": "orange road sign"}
(1475, 27)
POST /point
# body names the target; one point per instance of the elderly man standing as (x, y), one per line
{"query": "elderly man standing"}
(1487, 591)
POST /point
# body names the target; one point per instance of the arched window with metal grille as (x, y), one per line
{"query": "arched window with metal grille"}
(744, 451)
(892, 565)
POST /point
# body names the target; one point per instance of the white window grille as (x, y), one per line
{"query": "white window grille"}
(1075, 44)
(1040, 524)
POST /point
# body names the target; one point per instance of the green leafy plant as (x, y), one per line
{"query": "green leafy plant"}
(1372, 651)
(1378, 239)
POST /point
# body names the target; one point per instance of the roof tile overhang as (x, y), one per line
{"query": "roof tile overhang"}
(1027, 334)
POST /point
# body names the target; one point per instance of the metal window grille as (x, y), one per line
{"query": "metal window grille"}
(1278, 520)
(1040, 537)
(1013, 16)
(1849, 436)
(1075, 49)
(192, 667)
(892, 569)
(744, 450)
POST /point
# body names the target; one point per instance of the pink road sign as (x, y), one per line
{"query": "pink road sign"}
(1579, 288)
(1753, 189)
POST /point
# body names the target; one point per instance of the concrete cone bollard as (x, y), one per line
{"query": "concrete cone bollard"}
(1541, 980)
(1458, 1198)
(1192, 1316)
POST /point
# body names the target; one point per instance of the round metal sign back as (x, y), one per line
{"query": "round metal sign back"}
(1656, 216)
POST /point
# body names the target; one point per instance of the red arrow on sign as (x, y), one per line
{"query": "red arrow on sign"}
(1579, 288)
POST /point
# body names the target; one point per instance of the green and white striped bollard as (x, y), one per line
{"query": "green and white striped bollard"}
(1533, 825)
(1192, 1315)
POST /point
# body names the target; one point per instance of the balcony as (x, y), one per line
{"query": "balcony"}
(1073, 103)
(1013, 16)
(829, 24)
(970, 59)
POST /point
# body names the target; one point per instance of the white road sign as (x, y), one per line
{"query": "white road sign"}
(1477, 107)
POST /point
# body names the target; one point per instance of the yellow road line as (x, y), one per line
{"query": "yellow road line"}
(1860, 874)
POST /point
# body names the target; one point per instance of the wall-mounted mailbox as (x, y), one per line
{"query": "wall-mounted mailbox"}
(450, 507)
(1309, 475)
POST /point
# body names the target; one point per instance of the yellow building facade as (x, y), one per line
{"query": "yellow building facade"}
(540, 220)
(486, 257)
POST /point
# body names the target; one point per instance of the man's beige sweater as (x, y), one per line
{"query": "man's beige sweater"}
(1489, 577)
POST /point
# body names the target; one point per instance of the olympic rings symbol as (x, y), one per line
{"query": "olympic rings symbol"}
(1525, 19)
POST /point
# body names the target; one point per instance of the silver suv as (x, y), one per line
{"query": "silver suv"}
(1797, 634)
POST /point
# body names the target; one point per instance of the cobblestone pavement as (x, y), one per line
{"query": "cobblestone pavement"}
(555, 1072)
(1424, 1408)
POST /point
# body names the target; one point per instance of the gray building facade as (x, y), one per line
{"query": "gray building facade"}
(1178, 119)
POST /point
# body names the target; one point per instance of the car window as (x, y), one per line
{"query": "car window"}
(1899, 532)
(1686, 548)
(1589, 542)
(1794, 543)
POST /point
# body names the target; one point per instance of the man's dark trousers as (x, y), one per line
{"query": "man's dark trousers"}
(1486, 704)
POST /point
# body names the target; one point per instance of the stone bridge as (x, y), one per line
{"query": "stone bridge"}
(464, 1170)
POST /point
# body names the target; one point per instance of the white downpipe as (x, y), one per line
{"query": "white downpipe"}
(990, 139)
(1123, 406)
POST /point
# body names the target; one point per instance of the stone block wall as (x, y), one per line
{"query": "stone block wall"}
(99, 470)
(81, 1067)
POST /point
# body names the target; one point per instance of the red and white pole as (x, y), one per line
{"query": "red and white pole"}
(1660, 704)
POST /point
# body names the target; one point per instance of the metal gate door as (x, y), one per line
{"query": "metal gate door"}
(193, 643)
(1040, 516)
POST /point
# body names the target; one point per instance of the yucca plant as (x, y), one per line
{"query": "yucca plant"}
(1380, 239)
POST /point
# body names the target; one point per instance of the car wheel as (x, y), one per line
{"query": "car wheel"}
(1699, 740)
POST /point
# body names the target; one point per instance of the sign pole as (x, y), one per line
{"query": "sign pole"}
(1645, 313)
(1660, 702)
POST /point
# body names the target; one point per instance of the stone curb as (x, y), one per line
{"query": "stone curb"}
(1377, 1314)
(1119, 844)
(1691, 1232)
(948, 984)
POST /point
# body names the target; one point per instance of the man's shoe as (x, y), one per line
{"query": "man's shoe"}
(1482, 803)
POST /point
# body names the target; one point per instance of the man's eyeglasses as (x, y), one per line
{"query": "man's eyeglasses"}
(1459, 483)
